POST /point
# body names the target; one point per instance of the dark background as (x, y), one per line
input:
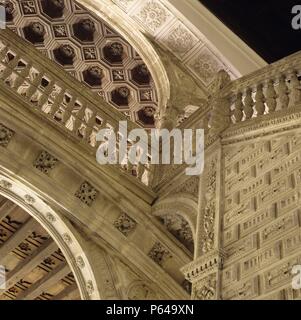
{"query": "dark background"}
(265, 25)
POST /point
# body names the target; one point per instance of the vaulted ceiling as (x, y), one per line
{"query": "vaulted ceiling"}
(35, 267)
(90, 50)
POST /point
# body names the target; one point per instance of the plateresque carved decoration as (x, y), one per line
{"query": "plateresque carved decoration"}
(159, 254)
(5, 135)
(86, 193)
(125, 224)
(206, 289)
(209, 209)
(45, 162)
(180, 228)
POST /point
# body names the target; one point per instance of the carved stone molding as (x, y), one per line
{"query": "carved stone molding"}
(205, 289)
(204, 266)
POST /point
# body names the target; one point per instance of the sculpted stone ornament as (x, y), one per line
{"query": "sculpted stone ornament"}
(5, 184)
(5, 136)
(45, 162)
(29, 199)
(35, 32)
(125, 224)
(159, 254)
(206, 290)
(221, 115)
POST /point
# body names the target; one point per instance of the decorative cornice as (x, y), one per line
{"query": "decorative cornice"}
(204, 265)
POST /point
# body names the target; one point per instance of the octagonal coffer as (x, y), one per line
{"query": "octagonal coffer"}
(53, 8)
(141, 75)
(93, 76)
(120, 96)
(84, 30)
(65, 54)
(35, 32)
(114, 52)
(146, 115)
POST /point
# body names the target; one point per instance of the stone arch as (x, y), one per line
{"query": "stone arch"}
(121, 22)
(179, 204)
(61, 231)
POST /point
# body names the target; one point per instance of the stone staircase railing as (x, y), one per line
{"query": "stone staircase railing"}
(269, 90)
(59, 98)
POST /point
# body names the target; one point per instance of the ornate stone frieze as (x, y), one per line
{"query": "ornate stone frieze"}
(204, 265)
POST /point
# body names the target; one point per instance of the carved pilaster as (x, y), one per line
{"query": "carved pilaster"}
(205, 272)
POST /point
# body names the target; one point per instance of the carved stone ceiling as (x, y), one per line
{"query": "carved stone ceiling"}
(90, 50)
(188, 44)
(35, 267)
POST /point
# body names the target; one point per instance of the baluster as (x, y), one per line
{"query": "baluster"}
(78, 119)
(45, 93)
(295, 97)
(271, 97)
(68, 109)
(259, 98)
(34, 85)
(89, 128)
(22, 75)
(283, 92)
(57, 103)
(248, 104)
(238, 112)
(9, 67)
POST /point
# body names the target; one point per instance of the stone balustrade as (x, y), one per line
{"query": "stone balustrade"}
(60, 99)
(269, 90)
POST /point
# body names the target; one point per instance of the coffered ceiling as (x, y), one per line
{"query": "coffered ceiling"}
(35, 267)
